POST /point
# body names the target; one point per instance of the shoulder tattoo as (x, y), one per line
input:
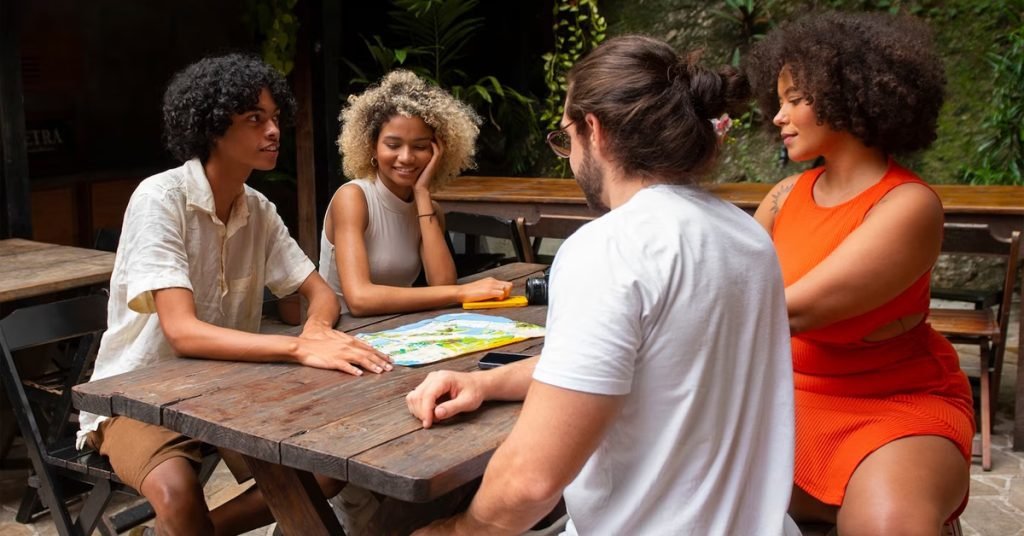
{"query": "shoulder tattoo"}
(778, 194)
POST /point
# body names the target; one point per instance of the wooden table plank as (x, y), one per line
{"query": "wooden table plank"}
(18, 246)
(254, 416)
(1002, 207)
(956, 198)
(326, 448)
(962, 198)
(185, 378)
(141, 394)
(29, 268)
(425, 464)
(358, 409)
(508, 272)
(214, 400)
(299, 400)
(453, 453)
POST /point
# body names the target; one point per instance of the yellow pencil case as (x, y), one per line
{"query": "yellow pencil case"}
(511, 301)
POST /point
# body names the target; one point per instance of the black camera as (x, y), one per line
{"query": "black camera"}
(537, 289)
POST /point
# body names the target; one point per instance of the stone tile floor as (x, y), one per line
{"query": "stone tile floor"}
(996, 507)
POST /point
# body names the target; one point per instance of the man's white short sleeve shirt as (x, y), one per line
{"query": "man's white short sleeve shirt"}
(675, 301)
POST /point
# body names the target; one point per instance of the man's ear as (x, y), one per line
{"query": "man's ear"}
(596, 134)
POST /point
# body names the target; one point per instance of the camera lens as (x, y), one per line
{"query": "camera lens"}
(537, 290)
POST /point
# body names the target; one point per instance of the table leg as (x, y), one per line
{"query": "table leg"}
(295, 499)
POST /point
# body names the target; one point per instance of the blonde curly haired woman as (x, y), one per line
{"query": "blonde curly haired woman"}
(400, 139)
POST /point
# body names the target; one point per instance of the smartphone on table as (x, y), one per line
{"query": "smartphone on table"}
(496, 359)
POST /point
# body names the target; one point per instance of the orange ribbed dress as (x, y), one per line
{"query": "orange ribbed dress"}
(852, 396)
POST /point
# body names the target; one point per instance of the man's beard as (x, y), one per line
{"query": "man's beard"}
(591, 180)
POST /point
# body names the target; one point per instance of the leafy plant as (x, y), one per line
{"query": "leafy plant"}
(747, 20)
(438, 33)
(1002, 149)
(275, 22)
(578, 28)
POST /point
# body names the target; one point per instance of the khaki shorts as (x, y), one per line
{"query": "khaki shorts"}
(135, 448)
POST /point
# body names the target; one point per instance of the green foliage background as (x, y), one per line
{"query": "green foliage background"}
(981, 127)
(436, 36)
(971, 35)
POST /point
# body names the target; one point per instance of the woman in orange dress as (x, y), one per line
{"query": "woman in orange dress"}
(884, 416)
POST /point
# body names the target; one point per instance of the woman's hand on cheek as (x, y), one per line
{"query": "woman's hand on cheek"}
(427, 175)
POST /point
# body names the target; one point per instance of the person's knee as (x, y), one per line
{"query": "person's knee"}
(329, 486)
(174, 490)
(804, 508)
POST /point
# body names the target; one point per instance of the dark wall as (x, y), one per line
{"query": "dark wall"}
(94, 74)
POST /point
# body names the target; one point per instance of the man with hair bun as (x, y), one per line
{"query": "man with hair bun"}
(662, 402)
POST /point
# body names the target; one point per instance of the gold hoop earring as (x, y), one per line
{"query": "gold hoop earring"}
(373, 161)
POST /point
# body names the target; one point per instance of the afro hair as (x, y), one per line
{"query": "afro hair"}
(874, 75)
(202, 98)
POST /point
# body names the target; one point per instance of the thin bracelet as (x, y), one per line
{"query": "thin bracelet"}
(427, 215)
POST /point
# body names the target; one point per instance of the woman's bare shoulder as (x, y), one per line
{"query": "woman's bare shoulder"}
(772, 203)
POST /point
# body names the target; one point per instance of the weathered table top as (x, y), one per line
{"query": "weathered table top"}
(1000, 206)
(352, 428)
(29, 268)
(955, 198)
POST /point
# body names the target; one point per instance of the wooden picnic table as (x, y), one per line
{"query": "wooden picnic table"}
(289, 421)
(1002, 207)
(29, 268)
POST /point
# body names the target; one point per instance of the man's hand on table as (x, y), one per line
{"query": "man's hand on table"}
(463, 389)
(324, 347)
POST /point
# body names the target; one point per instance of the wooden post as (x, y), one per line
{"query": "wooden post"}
(15, 203)
(327, 105)
(295, 500)
(305, 142)
(316, 125)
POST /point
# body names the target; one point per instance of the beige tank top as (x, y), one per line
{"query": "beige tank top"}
(392, 240)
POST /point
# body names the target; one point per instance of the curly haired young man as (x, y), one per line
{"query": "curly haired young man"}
(197, 248)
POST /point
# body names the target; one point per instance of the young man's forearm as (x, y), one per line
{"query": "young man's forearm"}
(200, 339)
(323, 310)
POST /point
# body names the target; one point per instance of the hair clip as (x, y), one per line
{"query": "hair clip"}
(722, 125)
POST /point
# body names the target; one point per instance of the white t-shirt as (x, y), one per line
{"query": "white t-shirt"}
(675, 301)
(172, 238)
(392, 239)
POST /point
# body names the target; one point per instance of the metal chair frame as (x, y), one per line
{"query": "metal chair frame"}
(44, 410)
